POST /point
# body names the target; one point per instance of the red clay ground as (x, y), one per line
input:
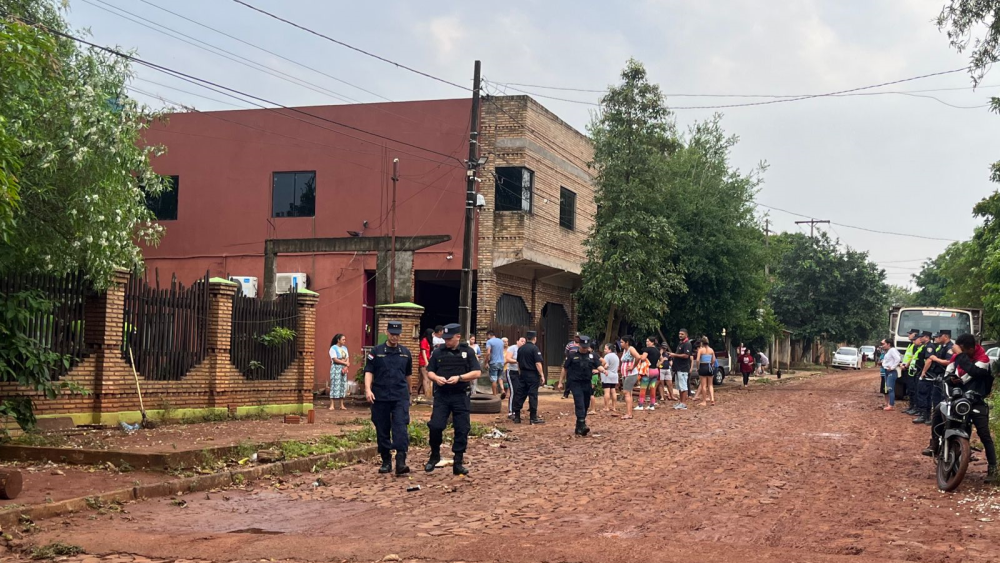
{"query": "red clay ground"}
(803, 470)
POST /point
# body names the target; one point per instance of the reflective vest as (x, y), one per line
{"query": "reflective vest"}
(908, 359)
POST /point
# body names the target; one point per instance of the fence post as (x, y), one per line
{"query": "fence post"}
(409, 314)
(306, 346)
(220, 324)
(104, 315)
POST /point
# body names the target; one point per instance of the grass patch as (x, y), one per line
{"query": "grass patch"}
(56, 549)
(245, 449)
(359, 421)
(38, 439)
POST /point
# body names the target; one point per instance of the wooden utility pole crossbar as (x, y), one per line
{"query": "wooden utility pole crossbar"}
(274, 247)
(812, 224)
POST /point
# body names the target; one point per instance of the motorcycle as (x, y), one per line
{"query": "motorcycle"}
(953, 451)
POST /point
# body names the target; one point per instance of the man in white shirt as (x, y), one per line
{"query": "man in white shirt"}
(438, 338)
(511, 373)
(890, 367)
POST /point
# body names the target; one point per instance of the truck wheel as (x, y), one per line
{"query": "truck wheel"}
(719, 376)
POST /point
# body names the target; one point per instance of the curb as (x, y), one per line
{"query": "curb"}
(10, 519)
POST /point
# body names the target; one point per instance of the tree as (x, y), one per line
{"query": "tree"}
(629, 273)
(900, 296)
(931, 284)
(709, 205)
(823, 292)
(75, 166)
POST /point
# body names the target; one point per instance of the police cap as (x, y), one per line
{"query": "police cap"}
(452, 329)
(585, 341)
(926, 333)
(944, 332)
(913, 331)
(530, 334)
(394, 327)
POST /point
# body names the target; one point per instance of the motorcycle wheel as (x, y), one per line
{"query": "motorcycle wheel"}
(951, 468)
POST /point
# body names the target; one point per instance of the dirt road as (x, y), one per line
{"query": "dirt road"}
(805, 470)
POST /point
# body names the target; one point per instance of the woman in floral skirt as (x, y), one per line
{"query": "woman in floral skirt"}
(340, 362)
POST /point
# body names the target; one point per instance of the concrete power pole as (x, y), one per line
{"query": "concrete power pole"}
(767, 243)
(465, 293)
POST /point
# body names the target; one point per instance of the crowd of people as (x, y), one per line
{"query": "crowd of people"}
(928, 359)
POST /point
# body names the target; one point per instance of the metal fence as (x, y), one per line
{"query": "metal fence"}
(58, 325)
(165, 329)
(254, 348)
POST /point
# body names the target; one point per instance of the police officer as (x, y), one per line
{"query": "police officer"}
(451, 368)
(935, 368)
(387, 388)
(925, 349)
(909, 381)
(577, 375)
(530, 368)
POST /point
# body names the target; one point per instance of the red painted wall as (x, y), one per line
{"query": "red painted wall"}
(225, 162)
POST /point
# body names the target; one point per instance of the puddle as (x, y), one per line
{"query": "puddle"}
(255, 531)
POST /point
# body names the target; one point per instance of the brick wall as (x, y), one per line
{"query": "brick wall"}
(524, 133)
(213, 383)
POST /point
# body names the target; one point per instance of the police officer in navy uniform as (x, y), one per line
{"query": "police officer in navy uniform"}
(529, 363)
(577, 375)
(924, 384)
(387, 388)
(451, 368)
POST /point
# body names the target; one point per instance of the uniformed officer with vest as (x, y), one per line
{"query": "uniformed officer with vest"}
(909, 381)
(387, 387)
(577, 375)
(925, 386)
(935, 367)
(451, 368)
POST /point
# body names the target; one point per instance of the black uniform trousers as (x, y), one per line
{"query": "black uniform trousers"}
(527, 388)
(394, 417)
(980, 418)
(457, 406)
(583, 392)
(924, 389)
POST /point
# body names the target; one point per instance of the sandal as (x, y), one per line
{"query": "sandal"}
(626, 417)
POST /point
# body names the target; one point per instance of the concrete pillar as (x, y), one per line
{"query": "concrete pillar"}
(409, 314)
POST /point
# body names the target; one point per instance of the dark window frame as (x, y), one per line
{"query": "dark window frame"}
(567, 221)
(498, 200)
(294, 174)
(155, 203)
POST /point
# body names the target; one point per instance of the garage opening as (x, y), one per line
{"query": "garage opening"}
(555, 333)
(438, 293)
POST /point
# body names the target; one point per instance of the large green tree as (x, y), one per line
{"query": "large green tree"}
(629, 273)
(821, 291)
(709, 204)
(75, 168)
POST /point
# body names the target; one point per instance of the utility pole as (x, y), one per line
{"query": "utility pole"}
(767, 244)
(465, 293)
(392, 267)
(812, 225)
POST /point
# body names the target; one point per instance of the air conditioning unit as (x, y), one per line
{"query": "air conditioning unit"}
(286, 282)
(248, 284)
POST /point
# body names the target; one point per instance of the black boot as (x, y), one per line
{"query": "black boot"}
(517, 418)
(920, 419)
(432, 461)
(401, 467)
(581, 428)
(457, 467)
(991, 472)
(535, 419)
(386, 463)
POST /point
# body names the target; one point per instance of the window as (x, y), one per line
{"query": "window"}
(164, 205)
(567, 209)
(294, 194)
(514, 186)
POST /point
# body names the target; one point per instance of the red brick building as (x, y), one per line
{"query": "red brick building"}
(246, 176)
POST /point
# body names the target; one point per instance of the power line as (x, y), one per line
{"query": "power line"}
(846, 226)
(141, 79)
(231, 91)
(204, 46)
(686, 95)
(352, 47)
(282, 57)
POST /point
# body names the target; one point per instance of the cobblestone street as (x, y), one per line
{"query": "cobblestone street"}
(797, 470)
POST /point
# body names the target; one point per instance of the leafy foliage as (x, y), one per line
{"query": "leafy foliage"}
(277, 336)
(628, 272)
(823, 292)
(961, 19)
(900, 296)
(72, 154)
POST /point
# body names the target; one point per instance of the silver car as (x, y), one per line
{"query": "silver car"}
(847, 357)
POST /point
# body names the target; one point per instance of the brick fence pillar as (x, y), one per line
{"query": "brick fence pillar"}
(104, 318)
(220, 325)
(306, 332)
(409, 314)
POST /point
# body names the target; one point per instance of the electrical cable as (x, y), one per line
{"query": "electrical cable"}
(846, 226)
(686, 95)
(234, 93)
(352, 47)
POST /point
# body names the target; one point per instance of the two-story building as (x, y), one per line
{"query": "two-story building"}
(243, 177)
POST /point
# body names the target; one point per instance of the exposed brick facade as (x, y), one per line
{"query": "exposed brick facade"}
(530, 255)
(213, 383)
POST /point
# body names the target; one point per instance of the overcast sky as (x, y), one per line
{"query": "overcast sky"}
(890, 162)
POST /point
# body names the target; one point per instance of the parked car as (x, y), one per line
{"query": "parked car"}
(847, 357)
(867, 353)
(994, 354)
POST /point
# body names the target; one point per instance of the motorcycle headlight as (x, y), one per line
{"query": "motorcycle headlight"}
(963, 407)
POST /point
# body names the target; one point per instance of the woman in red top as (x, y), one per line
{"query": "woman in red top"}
(746, 364)
(425, 356)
